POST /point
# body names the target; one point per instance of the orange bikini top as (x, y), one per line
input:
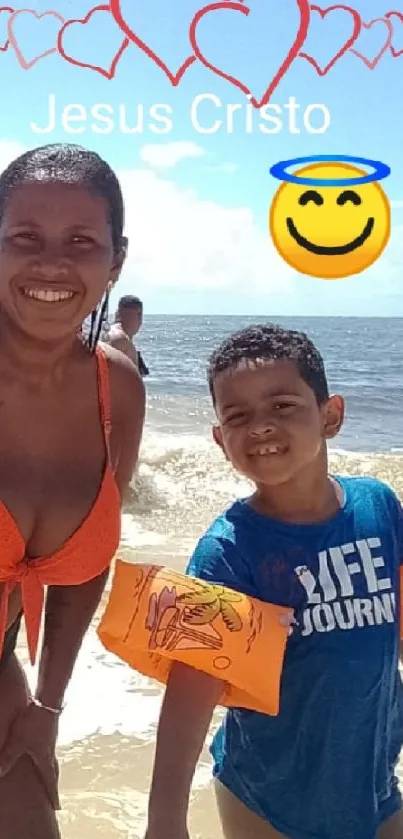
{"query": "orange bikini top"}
(84, 556)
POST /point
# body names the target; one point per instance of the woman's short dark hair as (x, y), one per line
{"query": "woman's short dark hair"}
(69, 164)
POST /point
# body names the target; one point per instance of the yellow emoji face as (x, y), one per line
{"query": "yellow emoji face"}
(330, 232)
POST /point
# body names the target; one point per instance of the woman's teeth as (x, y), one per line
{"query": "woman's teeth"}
(48, 296)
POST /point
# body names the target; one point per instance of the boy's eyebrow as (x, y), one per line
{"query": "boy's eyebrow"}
(274, 394)
(270, 395)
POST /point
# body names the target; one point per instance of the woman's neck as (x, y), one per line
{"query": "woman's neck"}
(36, 362)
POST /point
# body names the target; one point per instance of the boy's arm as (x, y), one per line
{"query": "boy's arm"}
(190, 699)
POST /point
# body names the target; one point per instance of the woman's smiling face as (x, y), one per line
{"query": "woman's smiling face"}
(56, 257)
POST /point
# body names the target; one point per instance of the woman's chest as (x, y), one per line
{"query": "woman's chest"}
(52, 464)
(44, 504)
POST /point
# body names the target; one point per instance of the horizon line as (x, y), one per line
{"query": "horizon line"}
(290, 315)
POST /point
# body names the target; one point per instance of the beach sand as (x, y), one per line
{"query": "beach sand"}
(105, 782)
(107, 731)
(105, 777)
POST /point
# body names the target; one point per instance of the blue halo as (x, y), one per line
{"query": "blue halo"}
(381, 171)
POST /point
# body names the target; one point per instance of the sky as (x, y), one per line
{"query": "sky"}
(198, 195)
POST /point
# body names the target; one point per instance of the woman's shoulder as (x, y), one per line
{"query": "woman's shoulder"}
(117, 361)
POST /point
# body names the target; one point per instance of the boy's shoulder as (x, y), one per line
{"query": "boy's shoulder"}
(365, 486)
(226, 524)
(231, 533)
(222, 554)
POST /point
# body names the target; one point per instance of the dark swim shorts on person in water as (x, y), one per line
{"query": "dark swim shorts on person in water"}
(143, 369)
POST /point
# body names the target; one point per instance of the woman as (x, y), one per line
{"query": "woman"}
(71, 418)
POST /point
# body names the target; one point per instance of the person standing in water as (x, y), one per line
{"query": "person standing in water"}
(71, 420)
(128, 322)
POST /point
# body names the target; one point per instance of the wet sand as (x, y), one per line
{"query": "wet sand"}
(105, 777)
(105, 782)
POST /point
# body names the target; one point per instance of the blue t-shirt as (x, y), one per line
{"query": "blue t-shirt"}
(324, 767)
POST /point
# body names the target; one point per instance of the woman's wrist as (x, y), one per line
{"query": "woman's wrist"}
(56, 710)
(49, 691)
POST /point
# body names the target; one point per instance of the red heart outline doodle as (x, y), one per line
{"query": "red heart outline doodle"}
(304, 9)
(389, 16)
(372, 64)
(345, 47)
(6, 44)
(26, 65)
(108, 74)
(174, 78)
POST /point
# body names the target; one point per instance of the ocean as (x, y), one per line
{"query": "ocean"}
(108, 729)
(183, 479)
(362, 358)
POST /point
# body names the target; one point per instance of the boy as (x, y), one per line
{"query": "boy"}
(330, 548)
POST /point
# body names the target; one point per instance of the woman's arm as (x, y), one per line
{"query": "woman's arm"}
(188, 706)
(68, 614)
(129, 395)
(70, 609)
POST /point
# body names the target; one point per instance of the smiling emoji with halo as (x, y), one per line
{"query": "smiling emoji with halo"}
(330, 219)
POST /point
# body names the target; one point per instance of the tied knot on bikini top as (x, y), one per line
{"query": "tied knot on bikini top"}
(21, 570)
(83, 557)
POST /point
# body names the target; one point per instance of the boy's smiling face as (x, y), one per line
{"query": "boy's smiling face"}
(270, 424)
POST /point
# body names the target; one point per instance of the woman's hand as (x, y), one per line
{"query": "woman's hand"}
(34, 732)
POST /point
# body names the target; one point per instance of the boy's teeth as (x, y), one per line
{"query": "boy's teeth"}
(48, 296)
(268, 450)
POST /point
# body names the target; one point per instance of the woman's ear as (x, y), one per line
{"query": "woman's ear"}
(119, 260)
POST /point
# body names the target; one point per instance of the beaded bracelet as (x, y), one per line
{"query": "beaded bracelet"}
(39, 704)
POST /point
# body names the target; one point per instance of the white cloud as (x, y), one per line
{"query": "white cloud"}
(397, 205)
(168, 155)
(181, 241)
(226, 168)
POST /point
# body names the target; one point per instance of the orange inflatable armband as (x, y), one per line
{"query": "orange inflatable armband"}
(156, 616)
